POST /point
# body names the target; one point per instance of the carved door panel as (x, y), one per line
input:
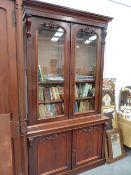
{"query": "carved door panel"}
(87, 144)
(50, 154)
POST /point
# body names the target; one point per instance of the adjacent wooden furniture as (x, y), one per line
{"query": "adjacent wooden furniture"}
(10, 144)
(5, 145)
(125, 126)
(124, 115)
(64, 51)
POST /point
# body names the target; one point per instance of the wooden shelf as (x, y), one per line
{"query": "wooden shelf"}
(50, 101)
(88, 111)
(50, 82)
(51, 117)
(84, 98)
(85, 81)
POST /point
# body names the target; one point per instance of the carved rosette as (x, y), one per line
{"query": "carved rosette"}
(89, 129)
(52, 24)
(88, 30)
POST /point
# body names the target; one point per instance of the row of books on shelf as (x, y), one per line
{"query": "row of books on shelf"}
(83, 106)
(42, 77)
(84, 90)
(50, 110)
(50, 93)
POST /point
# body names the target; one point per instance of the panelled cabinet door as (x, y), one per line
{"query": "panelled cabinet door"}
(48, 49)
(85, 66)
(87, 145)
(50, 154)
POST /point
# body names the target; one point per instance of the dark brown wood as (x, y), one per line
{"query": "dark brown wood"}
(52, 127)
(21, 125)
(28, 26)
(6, 165)
(4, 67)
(85, 81)
(64, 135)
(73, 142)
(74, 29)
(85, 98)
(103, 37)
(64, 13)
(32, 67)
(86, 167)
(53, 159)
(87, 142)
(50, 82)
(8, 80)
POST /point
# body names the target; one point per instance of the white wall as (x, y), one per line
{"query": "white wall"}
(118, 47)
(118, 42)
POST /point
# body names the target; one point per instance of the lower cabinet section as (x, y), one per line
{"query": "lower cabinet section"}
(87, 144)
(50, 154)
(57, 153)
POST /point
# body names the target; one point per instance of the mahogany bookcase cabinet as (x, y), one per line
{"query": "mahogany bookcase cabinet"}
(64, 50)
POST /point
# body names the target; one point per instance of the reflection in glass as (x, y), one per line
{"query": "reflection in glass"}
(50, 72)
(116, 145)
(85, 70)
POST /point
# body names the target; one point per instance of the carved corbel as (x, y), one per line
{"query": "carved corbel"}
(28, 26)
(103, 36)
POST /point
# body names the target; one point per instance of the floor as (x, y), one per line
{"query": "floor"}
(121, 167)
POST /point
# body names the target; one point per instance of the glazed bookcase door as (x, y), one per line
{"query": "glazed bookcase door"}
(85, 69)
(47, 70)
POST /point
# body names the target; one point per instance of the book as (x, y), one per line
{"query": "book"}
(40, 74)
(75, 106)
(46, 94)
(76, 91)
(54, 93)
(40, 93)
(51, 95)
(85, 90)
(57, 93)
(42, 111)
(61, 92)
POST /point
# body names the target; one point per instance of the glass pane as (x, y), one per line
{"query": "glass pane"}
(50, 72)
(85, 68)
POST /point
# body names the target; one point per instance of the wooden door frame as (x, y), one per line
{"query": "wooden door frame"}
(21, 85)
